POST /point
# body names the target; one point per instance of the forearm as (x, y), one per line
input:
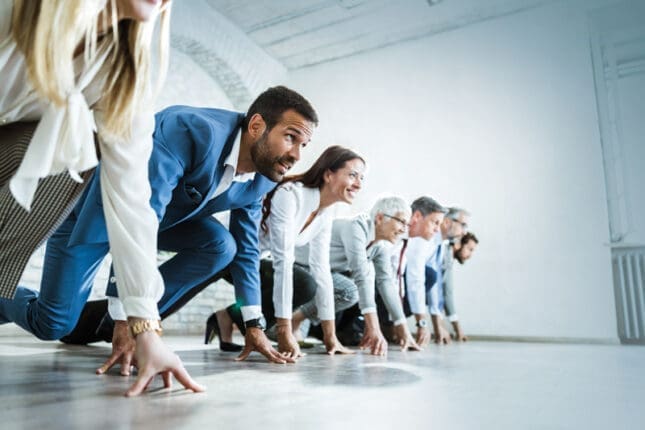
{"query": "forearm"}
(132, 229)
(283, 289)
(245, 267)
(391, 300)
(371, 322)
(419, 318)
(436, 324)
(283, 326)
(329, 329)
(457, 328)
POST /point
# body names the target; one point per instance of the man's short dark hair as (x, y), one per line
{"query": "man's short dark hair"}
(272, 103)
(427, 205)
(468, 237)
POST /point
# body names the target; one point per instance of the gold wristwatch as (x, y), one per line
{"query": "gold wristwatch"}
(139, 326)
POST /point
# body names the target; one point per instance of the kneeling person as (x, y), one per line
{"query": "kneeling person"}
(360, 261)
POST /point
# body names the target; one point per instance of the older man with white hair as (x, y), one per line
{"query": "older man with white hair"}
(360, 257)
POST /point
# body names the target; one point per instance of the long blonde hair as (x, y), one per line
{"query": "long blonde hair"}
(49, 31)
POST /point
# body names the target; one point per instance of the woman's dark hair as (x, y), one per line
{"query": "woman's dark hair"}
(332, 159)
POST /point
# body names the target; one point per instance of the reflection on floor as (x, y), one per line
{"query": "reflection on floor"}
(478, 385)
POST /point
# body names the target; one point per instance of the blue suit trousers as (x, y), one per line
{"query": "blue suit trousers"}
(203, 248)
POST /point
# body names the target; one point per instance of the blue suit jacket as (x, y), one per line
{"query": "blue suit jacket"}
(185, 168)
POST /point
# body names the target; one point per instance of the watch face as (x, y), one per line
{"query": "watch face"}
(422, 323)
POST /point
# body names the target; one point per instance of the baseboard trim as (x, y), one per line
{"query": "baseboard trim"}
(544, 339)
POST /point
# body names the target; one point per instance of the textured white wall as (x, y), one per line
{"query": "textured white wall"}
(500, 118)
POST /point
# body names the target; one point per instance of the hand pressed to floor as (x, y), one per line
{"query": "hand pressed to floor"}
(154, 357)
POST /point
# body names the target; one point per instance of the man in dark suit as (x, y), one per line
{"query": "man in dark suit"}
(203, 161)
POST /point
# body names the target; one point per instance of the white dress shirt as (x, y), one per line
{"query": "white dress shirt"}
(230, 167)
(436, 262)
(63, 141)
(291, 206)
(418, 252)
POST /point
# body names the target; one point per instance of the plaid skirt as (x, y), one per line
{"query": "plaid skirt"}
(22, 232)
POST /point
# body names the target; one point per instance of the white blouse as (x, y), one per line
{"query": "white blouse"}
(63, 141)
(291, 206)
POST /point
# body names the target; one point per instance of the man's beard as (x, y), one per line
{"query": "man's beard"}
(458, 257)
(264, 162)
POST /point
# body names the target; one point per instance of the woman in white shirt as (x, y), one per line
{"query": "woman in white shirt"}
(70, 69)
(297, 213)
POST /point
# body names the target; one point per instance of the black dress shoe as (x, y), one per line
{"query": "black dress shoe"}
(94, 325)
(212, 330)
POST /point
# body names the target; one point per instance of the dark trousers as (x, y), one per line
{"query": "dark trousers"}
(383, 314)
(203, 249)
(304, 290)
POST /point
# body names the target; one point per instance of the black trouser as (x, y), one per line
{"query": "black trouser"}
(304, 289)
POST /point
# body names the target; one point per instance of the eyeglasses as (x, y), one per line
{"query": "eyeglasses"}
(463, 224)
(399, 220)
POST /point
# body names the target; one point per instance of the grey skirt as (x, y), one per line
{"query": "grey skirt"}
(22, 232)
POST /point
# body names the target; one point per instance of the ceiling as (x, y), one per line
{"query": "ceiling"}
(301, 33)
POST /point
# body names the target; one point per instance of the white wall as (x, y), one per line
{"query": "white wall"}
(500, 118)
(632, 110)
(188, 84)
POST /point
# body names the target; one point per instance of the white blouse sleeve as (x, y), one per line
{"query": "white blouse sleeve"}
(282, 241)
(355, 241)
(131, 223)
(321, 270)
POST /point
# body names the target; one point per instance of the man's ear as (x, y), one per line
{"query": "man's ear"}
(257, 126)
(378, 219)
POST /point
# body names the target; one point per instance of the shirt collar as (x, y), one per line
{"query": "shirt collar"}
(371, 230)
(234, 156)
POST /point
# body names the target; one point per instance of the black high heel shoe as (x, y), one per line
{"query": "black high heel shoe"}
(212, 330)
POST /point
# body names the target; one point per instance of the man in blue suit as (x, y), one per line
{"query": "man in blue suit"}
(203, 161)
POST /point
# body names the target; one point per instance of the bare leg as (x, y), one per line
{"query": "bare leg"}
(225, 326)
(296, 319)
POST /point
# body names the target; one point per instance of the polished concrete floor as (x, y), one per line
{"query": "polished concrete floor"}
(477, 385)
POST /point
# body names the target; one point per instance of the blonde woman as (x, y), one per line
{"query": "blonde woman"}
(75, 89)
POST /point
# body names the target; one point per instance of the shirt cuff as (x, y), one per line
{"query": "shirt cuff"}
(416, 307)
(141, 307)
(433, 310)
(115, 309)
(370, 310)
(283, 312)
(251, 312)
(400, 321)
(453, 318)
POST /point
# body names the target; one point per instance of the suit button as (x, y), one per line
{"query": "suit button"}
(113, 280)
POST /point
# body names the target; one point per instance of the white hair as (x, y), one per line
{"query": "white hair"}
(390, 206)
